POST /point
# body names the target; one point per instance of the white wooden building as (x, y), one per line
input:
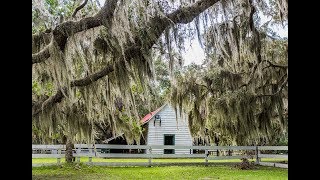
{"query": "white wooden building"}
(163, 128)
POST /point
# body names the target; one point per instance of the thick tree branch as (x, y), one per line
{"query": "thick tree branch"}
(38, 39)
(79, 7)
(39, 106)
(184, 15)
(69, 28)
(94, 77)
(43, 54)
(187, 14)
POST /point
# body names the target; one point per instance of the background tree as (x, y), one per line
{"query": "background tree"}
(240, 94)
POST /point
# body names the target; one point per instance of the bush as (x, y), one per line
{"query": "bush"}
(245, 164)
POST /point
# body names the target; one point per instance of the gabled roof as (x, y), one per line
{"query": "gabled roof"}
(150, 115)
(143, 121)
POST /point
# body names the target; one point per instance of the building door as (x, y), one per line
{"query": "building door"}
(169, 140)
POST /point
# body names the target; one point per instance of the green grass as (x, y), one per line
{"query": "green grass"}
(168, 172)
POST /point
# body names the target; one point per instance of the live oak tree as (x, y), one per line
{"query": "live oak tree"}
(86, 56)
(239, 95)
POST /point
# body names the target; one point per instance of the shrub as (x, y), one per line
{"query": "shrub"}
(245, 164)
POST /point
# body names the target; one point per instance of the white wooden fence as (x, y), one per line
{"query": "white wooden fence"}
(94, 150)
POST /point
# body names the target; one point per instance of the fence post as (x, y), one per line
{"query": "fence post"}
(206, 157)
(59, 156)
(90, 153)
(150, 153)
(78, 151)
(257, 155)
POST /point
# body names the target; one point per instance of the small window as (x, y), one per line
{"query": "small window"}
(157, 118)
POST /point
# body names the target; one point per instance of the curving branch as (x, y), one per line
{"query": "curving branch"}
(184, 15)
(94, 77)
(43, 54)
(277, 92)
(41, 38)
(187, 14)
(79, 7)
(69, 28)
(37, 107)
(276, 65)
(270, 64)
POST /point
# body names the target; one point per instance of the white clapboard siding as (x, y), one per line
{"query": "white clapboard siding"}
(169, 125)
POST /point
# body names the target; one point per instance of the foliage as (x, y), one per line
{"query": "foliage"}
(240, 93)
(89, 71)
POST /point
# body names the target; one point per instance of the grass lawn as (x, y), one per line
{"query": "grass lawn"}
(168, 172)
(53, 160)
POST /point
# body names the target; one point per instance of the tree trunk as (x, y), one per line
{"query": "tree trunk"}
(69, 148)
(216, 141)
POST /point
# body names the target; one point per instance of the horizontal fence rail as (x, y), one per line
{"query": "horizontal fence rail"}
(282, 156)
(228, 157)
(152, 152)
(273, 147)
